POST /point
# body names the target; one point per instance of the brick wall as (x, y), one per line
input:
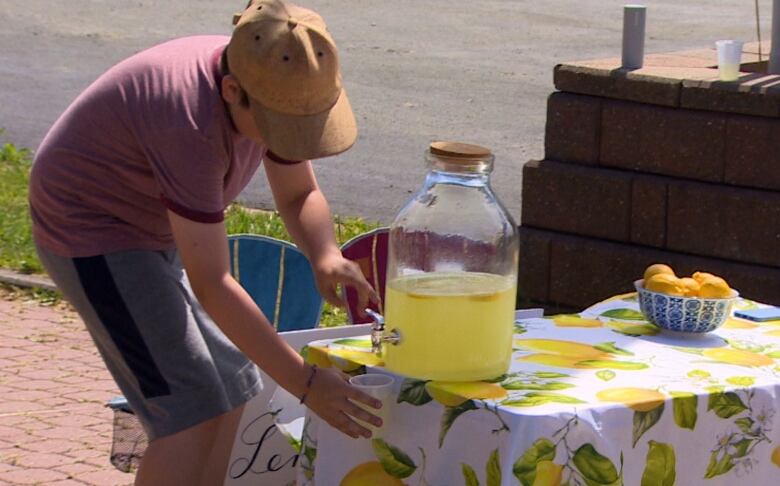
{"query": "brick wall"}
(660, 164)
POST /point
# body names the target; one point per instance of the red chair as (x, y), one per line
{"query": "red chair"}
(369, 250)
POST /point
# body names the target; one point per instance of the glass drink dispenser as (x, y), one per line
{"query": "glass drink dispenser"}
(452, 273)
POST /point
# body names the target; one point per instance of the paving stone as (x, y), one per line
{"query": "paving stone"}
(67, 482)
(76, 468)
(43, 460)
(31, 476)
(55, 446)
(13, 406)
(106, 477)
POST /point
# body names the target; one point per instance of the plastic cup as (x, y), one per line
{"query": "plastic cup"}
(729, 59)
(378, 386)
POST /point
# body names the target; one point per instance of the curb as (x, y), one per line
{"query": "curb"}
(30, 281)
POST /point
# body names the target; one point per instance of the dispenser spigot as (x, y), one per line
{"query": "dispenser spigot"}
(378, 332)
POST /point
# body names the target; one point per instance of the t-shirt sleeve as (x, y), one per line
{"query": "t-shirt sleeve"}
(190, 174)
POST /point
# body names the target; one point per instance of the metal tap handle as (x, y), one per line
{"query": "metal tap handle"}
(378, 332)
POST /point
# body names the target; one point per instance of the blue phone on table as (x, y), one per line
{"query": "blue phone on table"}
(759, 315)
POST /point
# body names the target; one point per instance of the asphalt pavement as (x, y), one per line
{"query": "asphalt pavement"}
(416, 71)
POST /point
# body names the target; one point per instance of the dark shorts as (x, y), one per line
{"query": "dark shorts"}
(171, 361)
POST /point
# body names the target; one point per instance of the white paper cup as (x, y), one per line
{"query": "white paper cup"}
(729, 59)
(378, 386)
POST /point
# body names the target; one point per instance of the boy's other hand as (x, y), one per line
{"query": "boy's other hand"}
(334, 270)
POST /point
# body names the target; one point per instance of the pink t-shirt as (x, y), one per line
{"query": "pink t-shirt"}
(150, 134)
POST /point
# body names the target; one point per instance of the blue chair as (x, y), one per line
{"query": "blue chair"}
(279, 278)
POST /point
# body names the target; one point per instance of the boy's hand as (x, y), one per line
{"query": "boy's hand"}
(333, 270)
(331, 397)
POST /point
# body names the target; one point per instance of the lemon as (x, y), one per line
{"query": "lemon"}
(453, 393)
(656, 269)
(776, 456)
(714, 288)
(665, 284)
(702, 276)
(737, 357)
(639, 399)
(370, 474)
(548, 474)
(691, 287)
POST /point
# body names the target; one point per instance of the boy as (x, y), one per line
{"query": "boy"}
(127, 194)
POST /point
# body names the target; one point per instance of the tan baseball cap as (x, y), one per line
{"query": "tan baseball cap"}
(285, 59)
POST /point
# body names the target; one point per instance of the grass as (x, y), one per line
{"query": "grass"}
(17, 251)
(16, 247)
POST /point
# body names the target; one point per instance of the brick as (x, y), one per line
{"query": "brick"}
(659, 82)
(534, 268)
(648, 211)
(584, 270)
(679, 143)
(726, 222)
(575, 199)
(614, 83)
(753, 152)
(572, 129)
(755, 94)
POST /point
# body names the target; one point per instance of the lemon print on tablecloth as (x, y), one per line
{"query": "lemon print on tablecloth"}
(571, 354)
(317, 355)
(350, 360)
(573, 320)
(742, 381)
(776, 456)
(561, 347)
(639, 399)
(633, 329)
(737, 357)
(454, 394)
(732, 323)
(370, 474)
(548, 474)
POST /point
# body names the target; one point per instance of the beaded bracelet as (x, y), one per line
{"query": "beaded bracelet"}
(308, 383)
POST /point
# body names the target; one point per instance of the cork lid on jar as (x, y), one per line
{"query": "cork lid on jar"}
(459, 150)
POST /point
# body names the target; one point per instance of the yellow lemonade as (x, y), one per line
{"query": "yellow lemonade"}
(453, 326)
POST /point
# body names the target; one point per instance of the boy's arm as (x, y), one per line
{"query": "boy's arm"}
(308, 219)
(204, 251)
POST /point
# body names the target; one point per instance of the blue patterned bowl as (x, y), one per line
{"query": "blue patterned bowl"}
(684, 314)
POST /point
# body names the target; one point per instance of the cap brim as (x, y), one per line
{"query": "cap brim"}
(296, 137)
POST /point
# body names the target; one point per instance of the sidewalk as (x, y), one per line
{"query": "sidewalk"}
(54, 428)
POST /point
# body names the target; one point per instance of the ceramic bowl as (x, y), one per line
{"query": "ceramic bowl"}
(684, 314)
